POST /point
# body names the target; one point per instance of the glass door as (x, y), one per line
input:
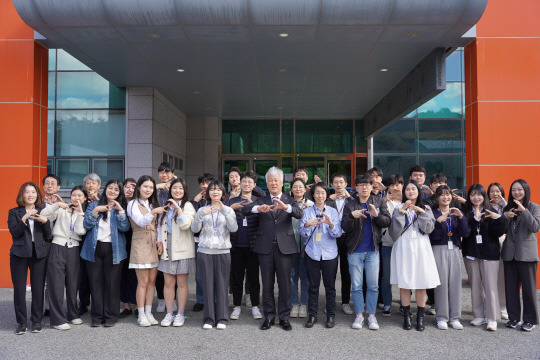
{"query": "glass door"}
(315, 165)
(242, 164)
(261, 166)
(334, 165)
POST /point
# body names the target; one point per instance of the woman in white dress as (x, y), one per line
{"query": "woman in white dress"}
(412, 262)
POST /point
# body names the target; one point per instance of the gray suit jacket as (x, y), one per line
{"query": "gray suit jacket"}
(521, 243)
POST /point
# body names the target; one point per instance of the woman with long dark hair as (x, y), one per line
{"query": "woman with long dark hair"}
(412, 262)
(104, 249)
(64, 257)
(520, 255)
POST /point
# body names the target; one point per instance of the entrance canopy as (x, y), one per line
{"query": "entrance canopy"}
(260, 58)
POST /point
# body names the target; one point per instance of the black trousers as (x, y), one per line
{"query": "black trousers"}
(128, 284)
(521, 274)
(328, 268)
(19, 271)
(245, 262)
(344, 271)
(280, 265)
(104, 284)
(84, 285)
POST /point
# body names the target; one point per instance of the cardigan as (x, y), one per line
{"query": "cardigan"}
(65, 227)
(183, 244)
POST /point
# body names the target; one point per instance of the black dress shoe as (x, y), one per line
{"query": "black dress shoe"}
(21, 329)
(198, 307)
(36, 328)
(330, 322)
(285, 325)
(82, 310)
(267, 324)
(109, 323)
(125, 313)
(311, 321)
(96, 323)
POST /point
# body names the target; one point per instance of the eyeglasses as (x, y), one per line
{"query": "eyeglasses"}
(363, 185)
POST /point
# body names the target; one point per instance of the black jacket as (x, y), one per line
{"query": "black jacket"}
(490, 230)
(252, 221)
(22, 236)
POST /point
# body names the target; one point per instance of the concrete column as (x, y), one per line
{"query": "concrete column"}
(203, 138)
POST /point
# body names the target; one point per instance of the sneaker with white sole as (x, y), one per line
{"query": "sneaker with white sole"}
(256, 313)
(207, 326)
(143, 320)
(160, 306)
(430, 310)
(478, 321)
(235, 313)
(64, 327)
(358, 322)
(372, 322)
(504, 314)
(387, 310)
(179, 320)
(294, 311)
(491, 325)
(151, 318)
(76, 321)
(167, 320)
(455, 324)
(248, 300)
(346, 308)
(221, 326)
(442, 325)
(526, 326)
(302, 312)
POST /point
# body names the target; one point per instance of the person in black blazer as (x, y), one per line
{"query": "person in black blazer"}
(275, 243)
(30, 232)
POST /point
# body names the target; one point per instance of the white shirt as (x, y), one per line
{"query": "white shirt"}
(135, 214)
(104, 229)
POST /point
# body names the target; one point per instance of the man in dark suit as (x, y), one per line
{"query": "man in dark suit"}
(275, 243)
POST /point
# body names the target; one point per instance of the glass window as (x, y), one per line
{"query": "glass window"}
(439, 136)
(242, 164)
(287, 136)
(449, 165)
(411, 115)
(361, 142)
(52, 59)
(108, 169)
(395, 164)
(445, 105)
(399, 137)
(324, 136)
(250, 136)
(72, 171)
(50, 133)
(90, 132)
(52, 89)
(287, 165)
(314, 166)
(68, 62)
(50, 166)
(453, 66)
(361, 167)
(81, 90)
(117, 97)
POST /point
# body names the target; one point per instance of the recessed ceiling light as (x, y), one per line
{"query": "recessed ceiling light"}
(208, 108)
(180, 70)
(384, 70)
(283, 34)
(196, 92)
(153, 35)
(412, 34)
(282, 70)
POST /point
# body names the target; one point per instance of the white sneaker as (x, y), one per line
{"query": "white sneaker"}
(235, 314)
(442, 325)
(179, 320)
(478, 321)
(143, 320)
(294, 311)
(151, 318)
(160, 306)
(347, 309)
(207, 326)
(358, 322)
(302, 313)
(167, 320)
(455, 324)
(221, 326)
(372, 322)
(76, 321)
(248, 300)
(491, 325)
(64, 327)
(504, 314)
(256, 313)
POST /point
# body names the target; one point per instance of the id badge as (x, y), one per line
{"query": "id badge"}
(70, 244)
(414, 235)
(244, 222)
(450, 245)
(318, 236)
(478, 239)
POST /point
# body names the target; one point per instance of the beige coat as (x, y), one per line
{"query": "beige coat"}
(143, 242)
(183, 245)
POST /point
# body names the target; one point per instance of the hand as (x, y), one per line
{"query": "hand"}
(159, 210)
(458, 198)
(333, 197)
(173, 204)
(358, 213)
(115, 205)
(279, 205)
(520, 207)
(99, 209)
(237, 206)
(443, 217)
(207, 210)
(510, 214)
(426, 190)
(63, 205)
(42, 219)
(327, 221)
(380, 185)
(78, 207)
(456, 212)
(316, 179)
(159, 248)
(93, 196)
(163, 186)
(372, 211)
(199, 196)
(311, 222)
(492, 214)
(417, 209)
(265, 208)
(477, 213)
(29, 214)
(408, 204)
(246, 200)
(218, 206)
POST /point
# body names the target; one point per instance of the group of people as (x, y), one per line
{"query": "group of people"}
(138, 237)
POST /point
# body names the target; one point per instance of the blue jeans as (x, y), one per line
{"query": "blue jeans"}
(386, 287)
(358, 262)
(299, 273)
(198, 289)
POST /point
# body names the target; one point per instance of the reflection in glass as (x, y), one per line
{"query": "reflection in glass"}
(81, 90)
(50, 133)
(68, 62)
(108, 169)
(52, 90)
(314, 166)
(449, 165)
(439, 136)
(445, 105)
(395, 164)
(90, 132)
(250, 136)
(361, 142)
(50, 166)
(453, 66)
(324, 136)
(72, 171)
(399, 137)
(287, 136)
(52, 59)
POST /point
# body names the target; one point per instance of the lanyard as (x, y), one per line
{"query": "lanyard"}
(340, 209)
(214, 224)
(411, 216)
(72, 222)
(448, 222)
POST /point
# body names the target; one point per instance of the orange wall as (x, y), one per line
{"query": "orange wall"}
(23, 117)
(502, 96)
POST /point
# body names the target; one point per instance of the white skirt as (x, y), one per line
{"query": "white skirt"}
(412, 265)
(143, 266)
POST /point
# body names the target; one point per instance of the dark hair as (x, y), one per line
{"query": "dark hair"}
(81, 188)
(165, 166)
(417, 168)
(363, 179)
(206, 177)
(234, 169)
(338, 175)
(299, 169)
(497, 185)
(468, 207)
(395, 179)
(438, 177)
(249, 174)
(58, 181)
(419, 201)
(129, 180)
(39, 196)
(526, 199)
(153, 200)
(298, 180)
(219, 185)
(375, 169)
(121, 199)
(322, 186)
(441, 190)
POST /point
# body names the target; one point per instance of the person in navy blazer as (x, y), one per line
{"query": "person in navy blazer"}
(31, 233)
(275, 243)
